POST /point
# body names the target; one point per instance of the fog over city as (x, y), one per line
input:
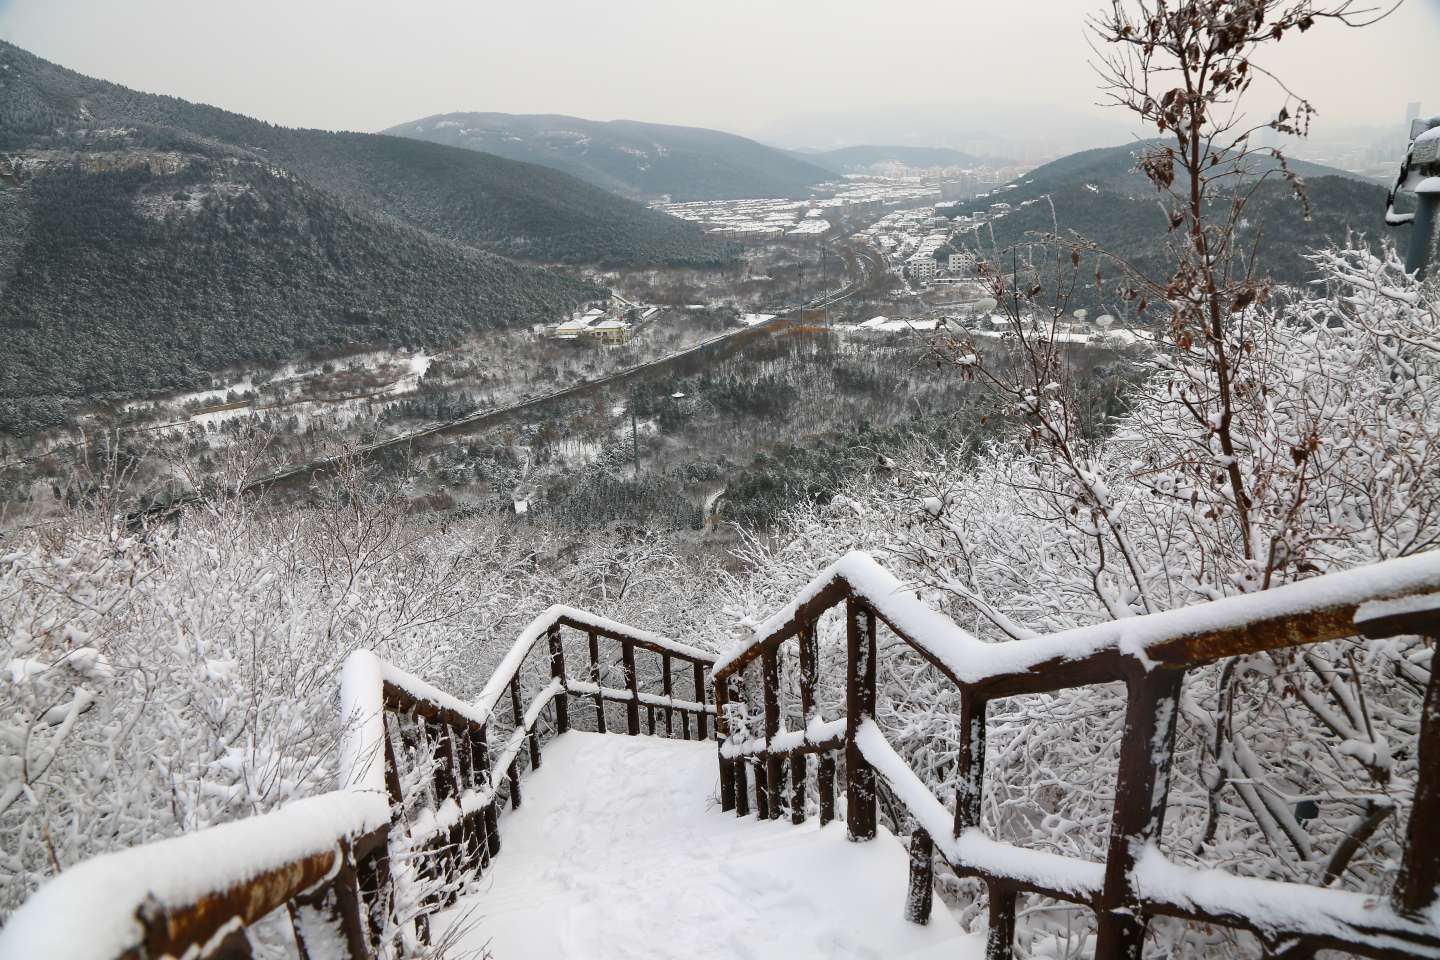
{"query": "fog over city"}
(1000, 78)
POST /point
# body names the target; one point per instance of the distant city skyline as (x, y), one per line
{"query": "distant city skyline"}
(1002, 79)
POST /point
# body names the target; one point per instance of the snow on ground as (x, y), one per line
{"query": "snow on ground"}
(621, 851)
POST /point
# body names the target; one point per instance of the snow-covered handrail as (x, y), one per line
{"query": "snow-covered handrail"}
(1321, 608)
(1150, 655)
(337, 857)
(198, 890)
(559, 615)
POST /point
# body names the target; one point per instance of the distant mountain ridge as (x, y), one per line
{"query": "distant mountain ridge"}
(146, 242)
(1099, 195)
(858, 159)
(628, 157)
(517, 209)
(1114, 169)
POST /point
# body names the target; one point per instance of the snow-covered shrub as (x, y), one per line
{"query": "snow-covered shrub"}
(159, 683)
(1297, 765)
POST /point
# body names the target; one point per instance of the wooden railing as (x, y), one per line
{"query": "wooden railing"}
(1150, 655)
(370, 859)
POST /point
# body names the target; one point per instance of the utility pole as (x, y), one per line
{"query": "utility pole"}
(634, 435)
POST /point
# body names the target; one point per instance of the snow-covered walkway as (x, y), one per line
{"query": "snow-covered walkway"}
(620, 851)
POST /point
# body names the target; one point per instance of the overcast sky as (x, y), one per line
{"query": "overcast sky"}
(794, 72)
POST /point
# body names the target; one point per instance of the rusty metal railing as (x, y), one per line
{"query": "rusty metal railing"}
(343, 864)
(1150, 655)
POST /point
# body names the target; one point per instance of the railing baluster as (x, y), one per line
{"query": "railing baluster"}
(762, 789)
(700, 733)
(557, 672)
(669, 691)
(922, 877)
(797, 787)
(1416, 889)
(517, 722)
(774, 772)
(1000, 937)
(595, 679)
(330, 913)
(513, 774)
(474, 827)
(825, 786)
(632, 682)
(722, 733)
(809, 676)
(234, 945)
(480, 745)
(439, 734)
(517, 713)
(970, 762)
(739, 764)
(650, 722)
(1152, 705)
(859, 706)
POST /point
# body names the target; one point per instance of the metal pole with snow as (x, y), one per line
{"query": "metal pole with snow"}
(1420, 175)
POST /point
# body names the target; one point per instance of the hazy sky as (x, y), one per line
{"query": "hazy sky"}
(792, 72)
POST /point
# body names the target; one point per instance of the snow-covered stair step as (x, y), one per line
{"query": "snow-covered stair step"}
(621, 852)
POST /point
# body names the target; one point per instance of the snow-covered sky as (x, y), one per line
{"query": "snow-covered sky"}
(793, 72)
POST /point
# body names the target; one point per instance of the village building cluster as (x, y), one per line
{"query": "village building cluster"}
(612, 323)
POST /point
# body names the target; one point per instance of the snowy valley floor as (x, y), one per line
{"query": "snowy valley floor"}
(620, 851)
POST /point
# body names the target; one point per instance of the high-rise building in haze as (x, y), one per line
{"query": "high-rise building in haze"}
(1412, 112)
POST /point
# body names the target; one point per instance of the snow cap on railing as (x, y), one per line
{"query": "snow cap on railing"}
(89, 912)
(362, 723)
(971, 660)
(506, 669)
(890, 598)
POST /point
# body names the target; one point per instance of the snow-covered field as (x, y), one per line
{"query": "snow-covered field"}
(621, 851)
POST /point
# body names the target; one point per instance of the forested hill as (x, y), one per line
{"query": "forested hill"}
(517, 209)
(1099, 195)
(628, 157)
(121, 282)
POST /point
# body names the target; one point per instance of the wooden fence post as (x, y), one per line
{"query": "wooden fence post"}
(331, 915)
(557, 671)
(742, 789)
(970, 762)
(825, 786)
(595, 679)
(1151, 709)
(479, 742)
(859, 707)
(513, 774)
(809, 676)
(922, 877)
(700, 698)
(444, 777)
(722, 734)
(472, 837)
(516, 712)
(1000, 937)
(774, 762)
(668, 689)
(1416, 889)
(632, 682)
